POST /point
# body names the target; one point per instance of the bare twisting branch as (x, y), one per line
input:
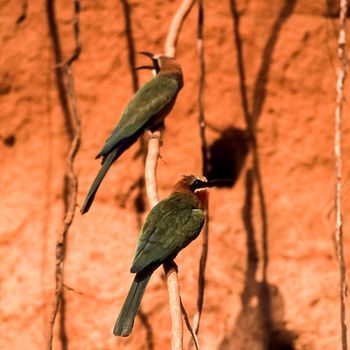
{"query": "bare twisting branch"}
(77, 49)
(205, 168)
(171, 277)
(189, 326)
(170, 50)
(70, 177)
(151, 167)
(151, 182)
(338, 163)
(175, 27)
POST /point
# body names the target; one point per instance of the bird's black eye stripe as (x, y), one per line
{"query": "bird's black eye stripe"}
(195, 184)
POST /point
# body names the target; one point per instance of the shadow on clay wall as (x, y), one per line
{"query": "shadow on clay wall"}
(260, 321)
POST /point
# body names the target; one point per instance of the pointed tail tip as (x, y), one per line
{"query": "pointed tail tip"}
(86, 206)
(88, 201)
(121, 331)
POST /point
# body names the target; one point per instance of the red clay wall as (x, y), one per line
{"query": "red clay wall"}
(272, 276)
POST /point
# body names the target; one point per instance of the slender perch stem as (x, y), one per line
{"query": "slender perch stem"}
(338, 164)
(171, 277)
(151, 167)
(205, 167)
(71, 178)
(189, 326)
(151, 184)
(175, 27)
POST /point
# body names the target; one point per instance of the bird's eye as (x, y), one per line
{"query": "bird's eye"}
(195, 183)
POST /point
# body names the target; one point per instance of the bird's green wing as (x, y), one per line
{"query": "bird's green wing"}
(171, 225)
(148, 101)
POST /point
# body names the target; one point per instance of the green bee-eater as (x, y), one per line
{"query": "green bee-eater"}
(147, 109)
(170, 226)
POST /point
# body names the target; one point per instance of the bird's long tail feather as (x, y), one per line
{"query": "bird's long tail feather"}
(96, 184)
(131, 305)
(107, 162)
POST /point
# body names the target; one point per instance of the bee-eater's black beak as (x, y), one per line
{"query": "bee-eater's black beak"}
(220, 182)
(154, 61)
(146, 53)
(211, 183)
(144, 67)
(198, 184)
